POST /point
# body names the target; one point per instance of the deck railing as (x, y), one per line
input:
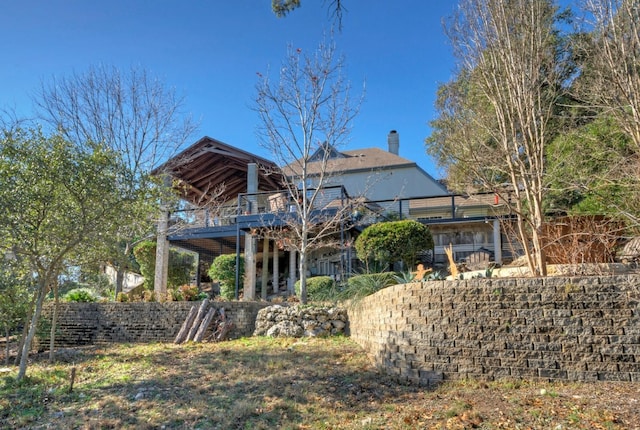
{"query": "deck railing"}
(424, 209)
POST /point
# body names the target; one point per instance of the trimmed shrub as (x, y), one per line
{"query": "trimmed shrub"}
(390, 242)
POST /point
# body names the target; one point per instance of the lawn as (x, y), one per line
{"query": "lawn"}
(263, 383)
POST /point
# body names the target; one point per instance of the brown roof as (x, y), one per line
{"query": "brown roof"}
(358, 160)
(209, 163)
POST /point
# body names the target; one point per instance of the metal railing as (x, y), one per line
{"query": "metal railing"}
(424, 209)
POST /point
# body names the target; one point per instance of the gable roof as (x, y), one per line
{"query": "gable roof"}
(355, 161)
(210, 162)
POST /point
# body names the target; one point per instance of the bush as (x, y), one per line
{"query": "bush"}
(80, 295)
(122, 297)
(390, 242)
(360, 286)
(181, 265)
(189, 293)
(223, 270)
(318, 288)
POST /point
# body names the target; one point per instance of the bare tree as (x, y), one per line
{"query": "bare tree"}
(609, 87)
(612, 55)
(499, 112)
(134, 115)
(305, 116)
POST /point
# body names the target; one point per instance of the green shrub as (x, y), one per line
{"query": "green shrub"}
(80, 295)
(318, 287)
(391, 242)
(223, 270)
(360, 286)
(181, 265)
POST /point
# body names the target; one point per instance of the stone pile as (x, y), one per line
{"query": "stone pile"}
(300, 321)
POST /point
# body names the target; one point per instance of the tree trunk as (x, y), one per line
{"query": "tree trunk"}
(204, 325)
(302, 264)
(54, 322)
(198, 319)
(186, 325)
(25, 329)
(6, 350)
(119, 280)
(33, 325)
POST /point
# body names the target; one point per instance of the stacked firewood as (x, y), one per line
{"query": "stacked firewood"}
(198, 321)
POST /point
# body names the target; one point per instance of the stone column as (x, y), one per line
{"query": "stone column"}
(162, 250)
(162, 257)
(250, 240)
(497, 242)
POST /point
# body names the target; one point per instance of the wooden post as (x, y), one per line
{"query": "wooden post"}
(276, 268)
(265, 267)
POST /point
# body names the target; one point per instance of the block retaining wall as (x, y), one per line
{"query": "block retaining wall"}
(95, 323)
(577, 329)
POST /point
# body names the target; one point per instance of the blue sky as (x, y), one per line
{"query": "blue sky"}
(210, 51)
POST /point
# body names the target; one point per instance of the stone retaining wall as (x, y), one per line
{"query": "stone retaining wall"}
(578, 329)
(94, 323)
(299, 321)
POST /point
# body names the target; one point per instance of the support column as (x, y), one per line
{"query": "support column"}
(162, 250)
(251, 241)
(291, 283)
(276, 268)
(264, 279)
(497, 242)
(162, 257)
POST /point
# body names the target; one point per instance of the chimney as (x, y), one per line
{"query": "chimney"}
(393, 139)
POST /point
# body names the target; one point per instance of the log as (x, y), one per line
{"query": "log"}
(223, 327)
(186, 325)
(204, 325)
(196, 323)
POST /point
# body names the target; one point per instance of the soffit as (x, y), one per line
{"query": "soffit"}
(204, 166)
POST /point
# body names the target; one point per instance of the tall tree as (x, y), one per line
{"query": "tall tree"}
(611, 54)
(134, 115)
(496, 117)
(609, 87)
(305, 116)
(55, 201)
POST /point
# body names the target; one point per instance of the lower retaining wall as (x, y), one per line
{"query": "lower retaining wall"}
(91, 323)
(578, 329)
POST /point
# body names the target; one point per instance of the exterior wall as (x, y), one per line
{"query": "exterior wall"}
(389, 184)
(95, 323)
(577, 329)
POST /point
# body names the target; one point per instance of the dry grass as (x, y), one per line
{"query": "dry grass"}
(261, 383)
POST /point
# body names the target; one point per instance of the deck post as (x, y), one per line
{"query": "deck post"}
(250, 240)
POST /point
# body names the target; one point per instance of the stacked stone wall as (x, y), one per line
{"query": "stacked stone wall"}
(299, 321)
(578, 329)
(95, 323)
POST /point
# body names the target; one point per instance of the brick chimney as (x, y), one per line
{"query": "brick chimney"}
(393, 140)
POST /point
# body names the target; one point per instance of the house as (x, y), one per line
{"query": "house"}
(228, 194)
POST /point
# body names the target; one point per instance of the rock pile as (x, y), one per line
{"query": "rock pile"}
(299, 321)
